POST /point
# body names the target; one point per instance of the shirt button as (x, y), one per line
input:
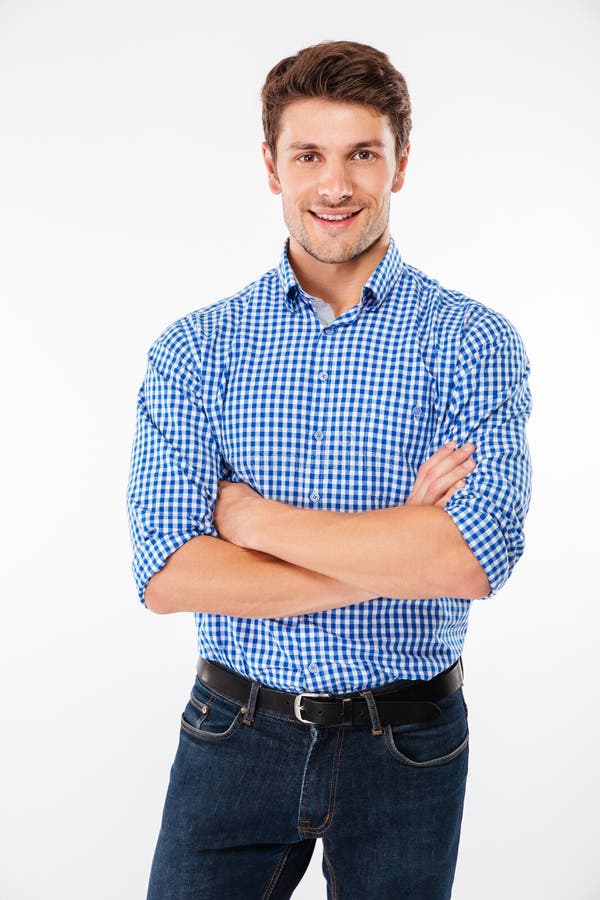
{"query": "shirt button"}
(312, 668)
(417, 412)
(323, 376)
(318, 435)
(315, 496)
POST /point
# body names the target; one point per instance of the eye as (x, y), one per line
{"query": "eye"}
(307, 157)
(365, 154)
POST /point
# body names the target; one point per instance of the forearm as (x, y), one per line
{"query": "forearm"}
(405, 552)
(207, 574)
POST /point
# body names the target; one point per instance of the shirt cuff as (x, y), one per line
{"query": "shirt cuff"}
(475, 519)
(153, 555)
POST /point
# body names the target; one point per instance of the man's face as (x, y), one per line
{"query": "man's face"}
(335, 159)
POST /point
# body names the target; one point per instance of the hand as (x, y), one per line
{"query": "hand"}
(236, 512)
(442, 475)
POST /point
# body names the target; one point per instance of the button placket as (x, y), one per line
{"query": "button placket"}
(314, 468)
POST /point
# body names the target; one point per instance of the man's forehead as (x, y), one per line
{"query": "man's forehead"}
(312, 123)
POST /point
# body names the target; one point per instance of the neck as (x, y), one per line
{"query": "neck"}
(339, 284)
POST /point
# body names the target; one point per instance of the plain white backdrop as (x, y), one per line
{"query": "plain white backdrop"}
(132, 191)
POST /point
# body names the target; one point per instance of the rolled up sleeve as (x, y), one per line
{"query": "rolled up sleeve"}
(490, 403)
(172, 485)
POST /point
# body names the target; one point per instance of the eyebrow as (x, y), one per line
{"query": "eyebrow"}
(299, 145)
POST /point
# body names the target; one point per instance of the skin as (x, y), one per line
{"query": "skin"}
(292, 561)
(205, 574)
(336, 175)
(240, 511)
(407, 552)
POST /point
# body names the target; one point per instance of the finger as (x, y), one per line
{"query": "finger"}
(441, 453)
(426, 468)
(455, 487)
(438, 486)
(431, 489)
(443, 460)
(450, 461)
(430, 484)
(451, 465)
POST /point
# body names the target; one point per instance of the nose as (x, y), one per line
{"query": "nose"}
(334, 183)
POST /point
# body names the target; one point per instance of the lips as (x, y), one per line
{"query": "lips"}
(335, 224)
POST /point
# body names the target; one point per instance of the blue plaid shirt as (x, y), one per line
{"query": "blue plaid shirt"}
(267, 387)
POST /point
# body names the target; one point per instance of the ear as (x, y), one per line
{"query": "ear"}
(274, 185)
(399, 178)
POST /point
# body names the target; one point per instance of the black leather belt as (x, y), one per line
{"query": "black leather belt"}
(402, 701)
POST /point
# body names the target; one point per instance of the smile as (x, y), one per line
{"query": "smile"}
(335, 220)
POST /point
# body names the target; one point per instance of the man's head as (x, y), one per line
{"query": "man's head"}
(337, 122)
(337, 70)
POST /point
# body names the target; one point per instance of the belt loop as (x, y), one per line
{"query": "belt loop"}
(372, 707)
(249, 710)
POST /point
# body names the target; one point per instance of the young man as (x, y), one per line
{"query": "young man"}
(329, 466)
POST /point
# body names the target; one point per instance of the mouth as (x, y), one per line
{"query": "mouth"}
(335, 221)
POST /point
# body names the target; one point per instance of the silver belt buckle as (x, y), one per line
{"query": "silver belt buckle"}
(298, 705)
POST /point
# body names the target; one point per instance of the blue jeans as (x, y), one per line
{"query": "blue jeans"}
(247, 800)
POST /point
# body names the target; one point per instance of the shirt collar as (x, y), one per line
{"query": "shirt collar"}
(375, 290)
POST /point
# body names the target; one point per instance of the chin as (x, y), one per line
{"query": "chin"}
(331, 255)
(332, 252)
(342, 254)
(339, 258)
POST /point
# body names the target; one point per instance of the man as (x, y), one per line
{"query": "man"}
(329, 466)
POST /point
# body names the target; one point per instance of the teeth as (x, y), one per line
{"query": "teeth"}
(335, 218)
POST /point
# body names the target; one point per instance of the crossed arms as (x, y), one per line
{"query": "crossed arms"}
(230, 551)
(273, 559)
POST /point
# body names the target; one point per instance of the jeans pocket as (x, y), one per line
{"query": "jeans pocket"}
(429, 744)
(209, 716)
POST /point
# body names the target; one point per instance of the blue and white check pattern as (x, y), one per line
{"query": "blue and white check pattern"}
(336, 416)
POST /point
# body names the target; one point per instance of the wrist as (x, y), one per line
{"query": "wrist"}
(267, 516)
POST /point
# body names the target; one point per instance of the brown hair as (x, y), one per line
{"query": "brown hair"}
(337, 70)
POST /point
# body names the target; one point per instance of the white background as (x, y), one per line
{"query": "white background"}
(132, 192)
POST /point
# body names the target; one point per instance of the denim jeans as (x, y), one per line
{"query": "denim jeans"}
(251, 791)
